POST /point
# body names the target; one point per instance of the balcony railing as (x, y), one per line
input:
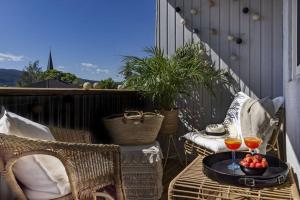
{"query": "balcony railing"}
(70, 108)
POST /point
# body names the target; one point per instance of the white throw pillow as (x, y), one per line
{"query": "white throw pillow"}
(232, 120)
(43, 176)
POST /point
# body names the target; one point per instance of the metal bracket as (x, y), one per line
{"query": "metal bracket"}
(280, 179)
(248, 181)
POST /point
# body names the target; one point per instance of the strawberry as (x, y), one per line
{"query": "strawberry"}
(258, 165)
(248, 159)
(255, 160)
(258, 157)
(242, 163)
(246, 164)
(252, 165)
(248, 155)
(264, 164)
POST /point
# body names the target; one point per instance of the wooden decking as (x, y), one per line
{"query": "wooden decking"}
(171, 170)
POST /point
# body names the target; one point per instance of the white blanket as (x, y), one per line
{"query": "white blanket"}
(213, 143)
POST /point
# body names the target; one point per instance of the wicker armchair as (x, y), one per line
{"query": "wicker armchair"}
(191, 148)
(71, 135)
(90, 167)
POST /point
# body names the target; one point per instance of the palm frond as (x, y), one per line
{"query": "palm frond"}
(163, 78)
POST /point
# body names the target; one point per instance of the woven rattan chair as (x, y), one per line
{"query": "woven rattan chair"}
(191, 148)
(71, 135)
(90, 167)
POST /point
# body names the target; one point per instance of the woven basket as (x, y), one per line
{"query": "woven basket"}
(134, 128)
(170, 123)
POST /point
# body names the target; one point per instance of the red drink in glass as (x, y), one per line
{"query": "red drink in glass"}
(252, 142)
(233, 143)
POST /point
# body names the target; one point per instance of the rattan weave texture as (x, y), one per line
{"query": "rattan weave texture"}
(71, 135)
(191, 183)
(89, 166)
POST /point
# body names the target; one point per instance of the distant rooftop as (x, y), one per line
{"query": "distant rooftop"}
(53, 83)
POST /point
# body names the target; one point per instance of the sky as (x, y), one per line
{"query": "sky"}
(86, 37)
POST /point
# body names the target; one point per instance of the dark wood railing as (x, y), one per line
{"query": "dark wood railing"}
(70, 108)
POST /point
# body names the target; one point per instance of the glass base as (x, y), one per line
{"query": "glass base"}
(252, 151)
(233, 166)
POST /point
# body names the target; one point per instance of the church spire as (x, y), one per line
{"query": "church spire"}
(50, 62)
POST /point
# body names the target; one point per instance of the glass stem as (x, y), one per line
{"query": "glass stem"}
(233, 157)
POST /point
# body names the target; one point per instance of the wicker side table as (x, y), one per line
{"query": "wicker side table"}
(142, 171)
(191, 183)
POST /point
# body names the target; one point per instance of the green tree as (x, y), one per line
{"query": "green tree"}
(69, 78)
(31, 74)
(108, 84)
(59, 75)
(51, 74)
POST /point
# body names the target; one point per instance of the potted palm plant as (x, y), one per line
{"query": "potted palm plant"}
(163, 79)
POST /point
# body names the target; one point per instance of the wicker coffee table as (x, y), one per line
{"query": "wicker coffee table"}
(191, 183)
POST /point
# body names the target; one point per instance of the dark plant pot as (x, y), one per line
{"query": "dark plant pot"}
(170, 122)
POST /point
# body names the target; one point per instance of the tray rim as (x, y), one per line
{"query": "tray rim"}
(260, 178)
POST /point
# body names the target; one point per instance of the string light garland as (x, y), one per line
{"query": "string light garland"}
(230, 37)
(245, 10)
(256, 17)
(213, 31)
(177, 9)
(238, 40)
(233, 57)
(211, 3)
(195, 30)
(193, 11)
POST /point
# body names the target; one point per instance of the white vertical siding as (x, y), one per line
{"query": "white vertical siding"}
(291, 93)
(255, 50)
(258, 67)
(245, 47)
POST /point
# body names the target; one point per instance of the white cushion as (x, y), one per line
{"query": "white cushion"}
(43, 176)
(214, 144)
(232, 120)
(23, 127)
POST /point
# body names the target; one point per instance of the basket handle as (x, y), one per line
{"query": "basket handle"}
(151, 113)
(135, 115)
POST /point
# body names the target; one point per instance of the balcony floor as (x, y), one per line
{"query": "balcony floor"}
(172, 169)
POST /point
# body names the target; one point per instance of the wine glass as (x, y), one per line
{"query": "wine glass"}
(233, 143)
(252, 143)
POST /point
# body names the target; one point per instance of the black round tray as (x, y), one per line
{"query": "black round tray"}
(215, 167)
